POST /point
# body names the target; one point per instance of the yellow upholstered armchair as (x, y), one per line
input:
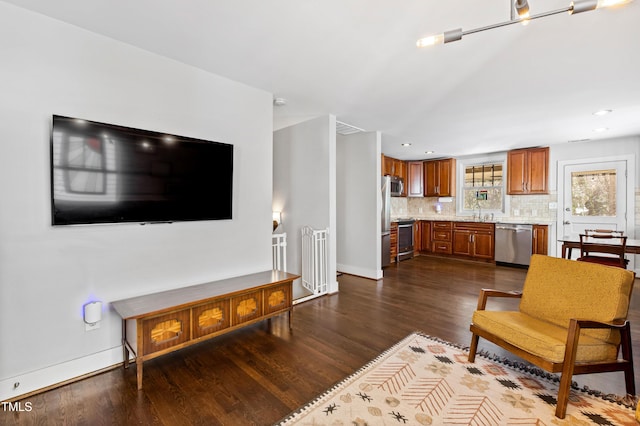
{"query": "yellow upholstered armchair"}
(571, 320)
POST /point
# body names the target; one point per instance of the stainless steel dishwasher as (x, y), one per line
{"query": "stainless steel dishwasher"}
(513, 243)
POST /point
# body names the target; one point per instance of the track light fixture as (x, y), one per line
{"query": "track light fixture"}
(522, 9)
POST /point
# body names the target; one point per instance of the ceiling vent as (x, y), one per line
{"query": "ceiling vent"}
(347, 129)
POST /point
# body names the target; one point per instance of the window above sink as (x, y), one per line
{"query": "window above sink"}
(482, 186)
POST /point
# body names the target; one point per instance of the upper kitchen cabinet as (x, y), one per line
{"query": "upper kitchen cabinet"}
(440, 178)
(528, 171)
(415, 179)
(392, 166)
(395, 167)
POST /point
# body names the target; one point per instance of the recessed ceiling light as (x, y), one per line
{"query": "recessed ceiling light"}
(406, 144)
(601, 129)
(603, 112)
(429, 152)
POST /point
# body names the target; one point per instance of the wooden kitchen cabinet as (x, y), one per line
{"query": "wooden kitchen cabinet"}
(415, 179)
(441, 237)
(393, 232)
(387, 165)
(394, 167)
(528, 171)
(417, 237)
(474, 240)
(440, 178)
(425, 236)
(540, 239)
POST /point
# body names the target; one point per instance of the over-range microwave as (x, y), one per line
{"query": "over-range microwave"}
(397, 186)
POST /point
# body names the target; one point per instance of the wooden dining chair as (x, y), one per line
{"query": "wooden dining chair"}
(606, 248)
(604, 232)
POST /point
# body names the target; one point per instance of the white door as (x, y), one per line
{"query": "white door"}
(594, 197)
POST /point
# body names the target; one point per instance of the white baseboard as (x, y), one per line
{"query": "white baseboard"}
(50, 376)
(361, 272)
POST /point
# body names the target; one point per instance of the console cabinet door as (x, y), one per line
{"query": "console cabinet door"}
(211, 317)
(277, 298)
(165, 331)
(246, 307)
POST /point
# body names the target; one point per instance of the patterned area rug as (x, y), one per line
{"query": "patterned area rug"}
(426, 381)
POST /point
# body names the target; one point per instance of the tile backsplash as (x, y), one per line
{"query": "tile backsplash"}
(524, 207)
(521, 207)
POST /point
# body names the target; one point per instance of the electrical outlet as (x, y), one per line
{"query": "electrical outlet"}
(516, 212)
(553, 205)
(91, 327)
(534, 213)
(420, 210)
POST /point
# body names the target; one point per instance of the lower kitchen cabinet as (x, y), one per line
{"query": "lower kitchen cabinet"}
(475, 240)
(471, 240)
(394, 241)
(425, 236)
(540, 239)
(441, 237)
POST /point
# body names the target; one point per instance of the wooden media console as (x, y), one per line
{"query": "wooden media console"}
(159, 323)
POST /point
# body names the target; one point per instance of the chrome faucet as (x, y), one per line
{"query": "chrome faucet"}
(479, 211)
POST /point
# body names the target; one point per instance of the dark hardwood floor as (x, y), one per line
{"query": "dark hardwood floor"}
(257, 375)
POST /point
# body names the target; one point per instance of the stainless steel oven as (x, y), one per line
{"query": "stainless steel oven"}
(405, 239)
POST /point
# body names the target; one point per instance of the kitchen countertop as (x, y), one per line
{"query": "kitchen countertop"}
(514, 220)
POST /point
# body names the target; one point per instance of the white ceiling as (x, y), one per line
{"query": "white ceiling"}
(509, 87)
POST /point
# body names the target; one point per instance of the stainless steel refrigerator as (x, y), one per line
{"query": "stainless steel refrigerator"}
(385, 229)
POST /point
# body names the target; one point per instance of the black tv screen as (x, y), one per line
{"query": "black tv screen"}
(103, 173)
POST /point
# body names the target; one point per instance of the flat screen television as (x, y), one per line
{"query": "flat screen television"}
(104, 173)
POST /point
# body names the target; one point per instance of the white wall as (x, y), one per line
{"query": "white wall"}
(46, 274)
(359, 204)
(304, 187)
(593, 149)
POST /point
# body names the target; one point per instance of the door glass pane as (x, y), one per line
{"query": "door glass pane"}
(593, 193)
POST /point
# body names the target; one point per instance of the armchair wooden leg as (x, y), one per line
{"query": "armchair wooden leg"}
(564, 390)
(473, 348)
(629, 376)
(567, 368)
